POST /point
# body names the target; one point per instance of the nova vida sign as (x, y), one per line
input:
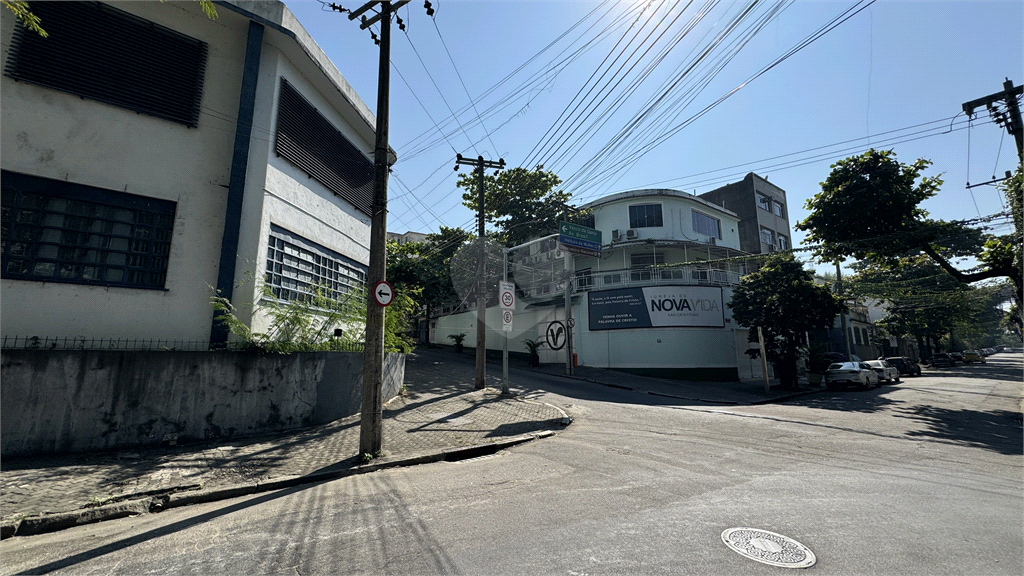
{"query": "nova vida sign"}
(657, 306)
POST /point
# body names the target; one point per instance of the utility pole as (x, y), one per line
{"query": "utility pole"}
(479, 164)
(371, 416)
(842, 316)
(1010, 119)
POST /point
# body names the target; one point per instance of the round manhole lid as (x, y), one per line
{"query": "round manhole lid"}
(768, 547)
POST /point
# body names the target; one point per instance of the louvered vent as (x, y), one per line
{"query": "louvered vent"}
(105, 54)
(311, 142)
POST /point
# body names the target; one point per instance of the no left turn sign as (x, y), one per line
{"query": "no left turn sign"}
(383, 293)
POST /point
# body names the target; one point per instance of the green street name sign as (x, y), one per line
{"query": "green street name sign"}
(578, 232)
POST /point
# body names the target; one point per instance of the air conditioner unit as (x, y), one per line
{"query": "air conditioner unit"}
(771, 247)
(559, 254)
(631, 234)
(616, 236)
(711, 241)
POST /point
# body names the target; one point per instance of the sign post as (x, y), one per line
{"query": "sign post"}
(507, 301)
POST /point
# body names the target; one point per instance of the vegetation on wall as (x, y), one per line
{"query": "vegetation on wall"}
(310, 324)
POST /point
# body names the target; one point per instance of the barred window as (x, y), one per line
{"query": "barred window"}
(56, 231)
(764, 202)
(102, 53)
(704, 224)
(645, 216)
(297, 268)
(767, 236)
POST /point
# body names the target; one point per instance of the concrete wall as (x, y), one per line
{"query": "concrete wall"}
(81, 400)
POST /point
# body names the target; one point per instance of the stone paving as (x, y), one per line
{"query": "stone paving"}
(439, 410)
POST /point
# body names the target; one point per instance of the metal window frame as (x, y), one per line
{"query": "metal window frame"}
(57, 231)
(636, 222)
(718, 223)
(307, 139)
(99, 52)
(288, 254)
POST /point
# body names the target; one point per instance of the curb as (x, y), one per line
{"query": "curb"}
(174, 498)
(692, 399)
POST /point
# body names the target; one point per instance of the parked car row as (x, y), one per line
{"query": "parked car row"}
(906, 366)
(950, 359)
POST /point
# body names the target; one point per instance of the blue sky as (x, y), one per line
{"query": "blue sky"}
(894, 75)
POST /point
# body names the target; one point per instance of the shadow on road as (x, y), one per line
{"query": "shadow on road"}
(996, 430)
(863, 401)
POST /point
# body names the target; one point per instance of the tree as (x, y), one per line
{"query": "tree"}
(523, 204)
(925, 302)
(868, 208)
(423, 268)
(782, 299)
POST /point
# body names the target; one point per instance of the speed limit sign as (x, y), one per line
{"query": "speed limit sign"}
(507, 291)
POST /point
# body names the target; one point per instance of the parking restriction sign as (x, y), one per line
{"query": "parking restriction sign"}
(506, 320)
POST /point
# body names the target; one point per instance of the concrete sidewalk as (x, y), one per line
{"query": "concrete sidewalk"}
(439, 416)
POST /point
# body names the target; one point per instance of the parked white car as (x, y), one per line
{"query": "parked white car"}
(845, 374)
(885, 371)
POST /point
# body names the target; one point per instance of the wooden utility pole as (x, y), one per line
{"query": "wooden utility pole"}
(1010, 119)
(371, 421)
(479, 164)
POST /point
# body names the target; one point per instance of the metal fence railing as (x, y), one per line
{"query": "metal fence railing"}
(84, 343)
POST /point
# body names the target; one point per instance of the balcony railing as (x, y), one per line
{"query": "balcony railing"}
(680, 275)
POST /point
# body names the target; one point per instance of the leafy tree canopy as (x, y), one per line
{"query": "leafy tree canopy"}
(784, 301)
(523, 204)
(868, 209)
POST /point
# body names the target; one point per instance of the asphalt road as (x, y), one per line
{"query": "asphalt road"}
(923, 477)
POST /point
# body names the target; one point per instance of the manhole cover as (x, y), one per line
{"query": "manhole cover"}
(768, 547)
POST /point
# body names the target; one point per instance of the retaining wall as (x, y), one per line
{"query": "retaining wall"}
(64, 401)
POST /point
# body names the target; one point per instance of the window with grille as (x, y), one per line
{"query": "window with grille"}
(298, 268)
(767, 237)
(764, 202)
(57, 231)
(704, 224)
(308, 140)
(645, 216)
(783, 242)
(98, 52)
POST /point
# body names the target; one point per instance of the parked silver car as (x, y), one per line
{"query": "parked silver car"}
(885, 371)
(845, 374)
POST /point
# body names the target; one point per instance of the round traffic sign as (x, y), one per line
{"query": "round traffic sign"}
(555, 335)
(383, 293)
(506, 316)
(507, 298)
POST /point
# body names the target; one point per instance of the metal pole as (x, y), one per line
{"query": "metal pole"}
(481, 285)
(842, 317)
(504, 345)
(371, 425)
(764, 360)
(569, 269)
